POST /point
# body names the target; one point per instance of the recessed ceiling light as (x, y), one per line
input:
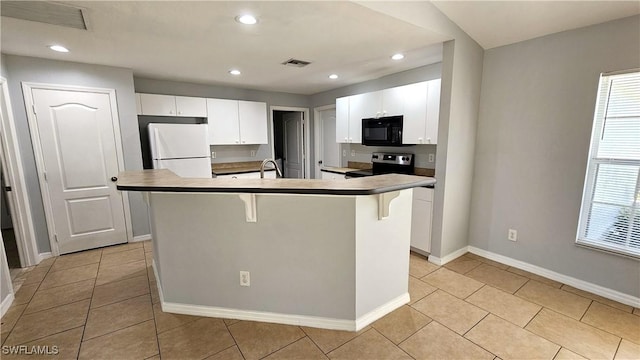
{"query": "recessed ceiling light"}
(397, 57)
(58, 48)
(333, 76)
(247, 19)
(234, 72)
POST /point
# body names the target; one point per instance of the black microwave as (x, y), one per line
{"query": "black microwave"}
(382, 131)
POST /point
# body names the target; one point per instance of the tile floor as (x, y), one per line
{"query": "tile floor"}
(103, 304)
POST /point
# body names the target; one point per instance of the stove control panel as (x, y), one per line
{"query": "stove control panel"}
(391, 158)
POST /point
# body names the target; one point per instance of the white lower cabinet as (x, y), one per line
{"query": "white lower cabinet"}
(249, 175)
(331, 176)
(421, 216)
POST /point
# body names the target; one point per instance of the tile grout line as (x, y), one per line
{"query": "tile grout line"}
(84, 328)
(153, 313)
(234, 338)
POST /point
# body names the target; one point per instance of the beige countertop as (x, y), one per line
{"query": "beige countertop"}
(338, 170)
(165, 180)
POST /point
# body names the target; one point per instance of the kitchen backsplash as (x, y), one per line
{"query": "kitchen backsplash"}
(239, 153)
(363, 153)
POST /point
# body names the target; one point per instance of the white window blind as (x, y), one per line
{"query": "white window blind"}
(610, 214)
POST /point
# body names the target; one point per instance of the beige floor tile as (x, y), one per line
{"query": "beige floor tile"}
(328, 340)
(463, 264)
(119, 290)
(122, 257)
(559, 300)
(110, 318)
(615, 321)
(108, 274)
(46, 263)
(64, 345)
(535, 277)
(123, 247)
(437, 342)
(195, 340)
(148, 246)
(60, 295)
(167, 321)
(419, 289)
(505, 305)
(135, 342)
(419, 266)
(69, 261)
(598, 298)
(576, 336)
(628, 351)
(509, 341)
(9, 320)
(370, 345)
(493, 263)
(497, 278)
(25, 293)
(68, 276)
(36, 276)
(232, 353)
(456, 314)
(44, 323)
(636, 311)
(154, 357)
(301, 349)
(452, 282)
(155, 295)
(565, 354)
(257, 339)
(401, 323)
(230, 322)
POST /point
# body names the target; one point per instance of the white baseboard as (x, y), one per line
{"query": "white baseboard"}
(141, 238)
(287, 319)
(6, 304)
(571, 281)
(454, 255)
(43, 256)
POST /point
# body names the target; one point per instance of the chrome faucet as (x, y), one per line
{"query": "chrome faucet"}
(265, 162)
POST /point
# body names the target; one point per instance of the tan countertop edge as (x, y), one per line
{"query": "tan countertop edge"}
(162, 180)
(337, 170)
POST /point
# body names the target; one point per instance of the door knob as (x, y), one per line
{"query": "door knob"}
(320, 162)
(114, 179)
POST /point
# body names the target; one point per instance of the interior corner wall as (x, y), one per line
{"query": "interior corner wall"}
(536, 115)
(28, 69)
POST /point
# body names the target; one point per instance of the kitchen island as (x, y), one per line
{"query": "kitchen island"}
(322, 253)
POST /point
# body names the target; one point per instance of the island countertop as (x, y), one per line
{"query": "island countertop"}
(166, 181)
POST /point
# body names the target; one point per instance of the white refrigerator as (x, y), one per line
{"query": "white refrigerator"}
(181, 148)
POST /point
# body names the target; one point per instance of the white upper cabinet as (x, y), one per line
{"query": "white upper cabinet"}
(393, 101)
(169, 105)
(433, 112)
(342, 119)
(233, 122)
(422, 111)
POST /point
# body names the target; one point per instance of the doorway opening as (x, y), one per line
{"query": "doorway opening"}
(289, 126)
(6, 226)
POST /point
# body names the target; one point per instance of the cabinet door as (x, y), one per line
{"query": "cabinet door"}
(433, 112)
(223, 122)
(191, 106)
(393, 101)
(158, 105)
(329, 176)
(415, 113)
(138, 105)
(342, 120)
(253, 122)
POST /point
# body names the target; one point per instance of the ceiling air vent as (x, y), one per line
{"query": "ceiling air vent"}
(296, 63)
(44, 12)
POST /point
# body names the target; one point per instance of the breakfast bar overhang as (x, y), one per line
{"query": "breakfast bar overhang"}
(322, 253)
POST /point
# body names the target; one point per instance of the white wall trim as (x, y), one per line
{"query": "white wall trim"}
(141, 238)
(6, 304)
(306, 129)
(27, 88)
(44, 255)
(454, 255)
(568, 280)
(20, 207)
(381, 311)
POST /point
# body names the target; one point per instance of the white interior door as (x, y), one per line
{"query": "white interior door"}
(80, 160)
(293, 145)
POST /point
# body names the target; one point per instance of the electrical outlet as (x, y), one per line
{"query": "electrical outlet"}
(253, 153)
(512, 235)
(344, 152)
(245, 279)
(432, 158)
(213, 154)
(353, 153)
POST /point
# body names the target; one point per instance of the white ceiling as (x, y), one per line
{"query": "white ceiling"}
(200, 41)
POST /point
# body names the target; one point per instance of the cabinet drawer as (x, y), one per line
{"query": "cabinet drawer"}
(421, 193)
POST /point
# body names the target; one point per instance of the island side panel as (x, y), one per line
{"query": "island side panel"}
(382, 253)
(300, 253)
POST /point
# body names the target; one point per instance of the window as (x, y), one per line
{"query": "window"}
(610, 214)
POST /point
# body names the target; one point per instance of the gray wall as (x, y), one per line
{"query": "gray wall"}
(27, 69)
(231, 153)
(536, 113)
